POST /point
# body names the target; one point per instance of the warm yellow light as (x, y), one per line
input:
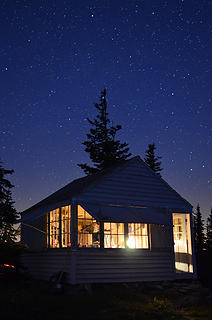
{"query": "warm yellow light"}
(7, 265)
(131, 242)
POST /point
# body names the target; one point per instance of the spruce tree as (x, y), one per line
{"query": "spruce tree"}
(209, 233)
(104, 150)
(153, 161)
(8, 213)
(199, 236)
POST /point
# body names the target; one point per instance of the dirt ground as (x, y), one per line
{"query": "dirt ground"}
(25, 298)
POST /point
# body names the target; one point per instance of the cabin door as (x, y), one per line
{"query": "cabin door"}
(182, 243)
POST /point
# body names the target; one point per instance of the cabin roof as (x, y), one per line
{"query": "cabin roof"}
(92, 188)
(71, 189)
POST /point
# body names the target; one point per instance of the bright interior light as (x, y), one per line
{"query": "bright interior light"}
(131, 242)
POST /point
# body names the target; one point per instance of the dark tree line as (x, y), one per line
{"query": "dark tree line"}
(8, 213)
(203, 245)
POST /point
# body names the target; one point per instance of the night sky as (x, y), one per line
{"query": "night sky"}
(154, 58)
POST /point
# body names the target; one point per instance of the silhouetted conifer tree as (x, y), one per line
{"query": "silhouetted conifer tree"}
(199, 232)
(153, 161)
(104, 151)
(199, 242)
(209, 233)
(8, 213)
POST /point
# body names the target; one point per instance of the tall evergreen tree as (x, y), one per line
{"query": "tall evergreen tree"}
(153, 161)
(209, 233)
(104, 151)
(199, 236)
(8, 214)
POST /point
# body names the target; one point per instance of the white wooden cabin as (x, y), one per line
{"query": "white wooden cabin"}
(124, 224)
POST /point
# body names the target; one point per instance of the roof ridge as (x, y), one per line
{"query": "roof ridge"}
(166, 183)
(89, 179)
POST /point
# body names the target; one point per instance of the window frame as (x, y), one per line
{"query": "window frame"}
(49, 234)
(87, 217)
(116, 234)
(101, 232)
(147, 236)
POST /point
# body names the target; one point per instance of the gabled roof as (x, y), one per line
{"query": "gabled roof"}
(71, 189)
(131, 182)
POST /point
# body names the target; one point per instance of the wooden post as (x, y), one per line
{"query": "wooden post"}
(74, 239)
(170, 217)
(149, 236)
(125, 235)
(101, 234)
(48, 229)
(192, 245)
(60, 229)
(74, 225)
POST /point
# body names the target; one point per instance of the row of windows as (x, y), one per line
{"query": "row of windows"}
(116, 235)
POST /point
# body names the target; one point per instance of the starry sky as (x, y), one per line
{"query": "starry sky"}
(154, 58)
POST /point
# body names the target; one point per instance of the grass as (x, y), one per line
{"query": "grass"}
(27, 299)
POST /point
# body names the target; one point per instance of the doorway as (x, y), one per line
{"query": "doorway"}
(182, 242)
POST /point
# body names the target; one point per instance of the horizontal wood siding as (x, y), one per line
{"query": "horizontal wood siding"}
(134, 184)
(109, 265)
(101, 265)
(33, 233)
(121, 265)
(43, 265)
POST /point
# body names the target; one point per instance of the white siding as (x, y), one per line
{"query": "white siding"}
(120, 265)
(108, 265)
(134, 183)
(33, 233)
(43, 265)
(102, 265)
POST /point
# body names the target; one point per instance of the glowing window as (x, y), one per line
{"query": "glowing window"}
(88, 230)
(137, 236)
(114, 235)
(59, 218)
(182, 242)
(66, 226)
(54, 228)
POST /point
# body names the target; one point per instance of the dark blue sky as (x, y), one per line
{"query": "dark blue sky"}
(154, 58)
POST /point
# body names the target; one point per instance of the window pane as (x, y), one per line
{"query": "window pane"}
(65, 226)
(113, 235)
(54, 227)
(107, 228)
(121, 241)
(114, 241)
(88, 230)
(107, 241)
(114, 228)
(138, 242)
(88, 216)
(130, 228)
(137, 236)
(145, 242)
(120, 228)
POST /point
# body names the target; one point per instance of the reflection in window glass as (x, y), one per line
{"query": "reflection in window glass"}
(137, 236)
(88, 230)
(114, 235)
